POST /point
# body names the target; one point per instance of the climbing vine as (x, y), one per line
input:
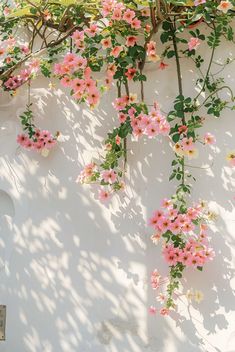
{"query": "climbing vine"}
(72, 40)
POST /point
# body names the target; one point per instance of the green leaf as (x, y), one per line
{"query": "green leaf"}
(170, 54)
(176, 137)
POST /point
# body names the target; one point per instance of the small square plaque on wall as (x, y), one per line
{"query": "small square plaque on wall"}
(2, 322)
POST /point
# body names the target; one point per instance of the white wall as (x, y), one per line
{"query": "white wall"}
(75, 274)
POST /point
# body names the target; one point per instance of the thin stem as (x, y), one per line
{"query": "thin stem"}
(180, 86)
(207, 72)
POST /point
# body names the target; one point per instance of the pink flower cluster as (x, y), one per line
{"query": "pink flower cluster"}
(42, 139)
(15, 82)
(117, 11)
(87, 173)
(151, 124)
(151, 52)
(194, 249)
(186, 147)
(82, 88)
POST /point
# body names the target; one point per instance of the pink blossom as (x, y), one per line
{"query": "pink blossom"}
(109, 176)
(116, 51)
(118, 140)
(78, 85)
(128, 16)
(104, 195)
(155, 279)
(199, 2)
(119, 104)
(152, 130)
(117, 14)
(92, 30)
(106, 43)
(164, 128)
(209, 138)
(131, 40)
(130, 73)
(151, 46)
(93, 97)
(78, 35)
(50, 143)
(22, 139)
(122, 117)
(193, 43)
(66, 81)
(224, 6)
(145, 12)
(164, 311)
(166, 203)
(152, 310)
(163, 66)
(135, 23)
(187, 143)
(25, 49)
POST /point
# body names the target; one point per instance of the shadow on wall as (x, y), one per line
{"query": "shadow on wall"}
(77, 277)
(70, 285)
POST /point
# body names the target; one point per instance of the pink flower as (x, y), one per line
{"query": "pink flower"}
(116, 51)
(119, 104)
(117, 14)
(104, 195)
(182, 129)
(34, 65)
(13, 82)
(152, 310)
(164, 128)
(145, 12)
(106, 43)
(155, 279)
(109, 176)
(50, 143)
(92, 30)
(107, 7)
(6, 11)
(166, 203)
(78, 35)
(122, 117)
(78, 85)
(128, 16)
(199, 2)
(152, 56)
(193, 43)
(25, 49)
(131, 40)
(224, 6)
(152, 130)
(209, 138)
(87, 73)
(81, 62)
(187, 143)
(130, 73)
(135, 23)
(66, 81)
(22, 139)
(93, 97)
(70, 59)
(164, 311)
(118, 140)
(151, 46)
(163, 66)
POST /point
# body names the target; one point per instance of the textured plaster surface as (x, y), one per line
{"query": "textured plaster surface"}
(73, 273)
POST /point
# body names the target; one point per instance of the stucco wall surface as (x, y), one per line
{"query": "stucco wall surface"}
(74, 274)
